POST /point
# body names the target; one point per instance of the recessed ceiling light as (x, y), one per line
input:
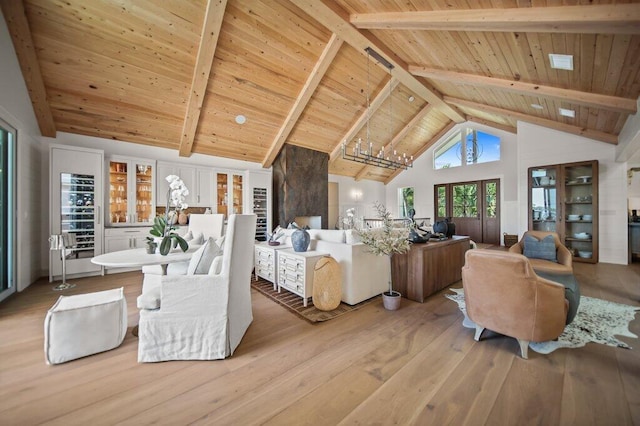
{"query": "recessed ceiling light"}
(561, 62)
(241, 119)
(537, 106)
(567, 112)
(411, 98)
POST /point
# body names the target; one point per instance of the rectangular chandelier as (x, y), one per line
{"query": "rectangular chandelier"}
(364, 152)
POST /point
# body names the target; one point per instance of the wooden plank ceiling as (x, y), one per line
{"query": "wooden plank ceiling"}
(177, 73)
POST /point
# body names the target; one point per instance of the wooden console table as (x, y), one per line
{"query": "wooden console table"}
(428, 268)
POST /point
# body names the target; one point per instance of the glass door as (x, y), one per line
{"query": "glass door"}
(118, 190)
(581, 210)
(543, 199)
(222, 194)
(144, 209)
(78, 214)
(7, 203)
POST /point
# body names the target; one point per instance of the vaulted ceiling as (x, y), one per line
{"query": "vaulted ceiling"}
(177, 73)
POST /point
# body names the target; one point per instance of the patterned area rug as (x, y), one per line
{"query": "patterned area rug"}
(293, 302)
(597, 321)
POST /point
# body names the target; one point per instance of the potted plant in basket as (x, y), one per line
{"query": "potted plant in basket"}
(386, 240)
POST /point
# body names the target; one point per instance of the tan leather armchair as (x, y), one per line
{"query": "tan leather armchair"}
(564, 256)
(504, 294)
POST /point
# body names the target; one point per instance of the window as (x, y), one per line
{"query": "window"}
(466, 147)
(7, 206)
(405, 201)
(465, 200)
(446, 156)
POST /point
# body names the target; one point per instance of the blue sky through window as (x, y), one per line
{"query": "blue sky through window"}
(489, 146)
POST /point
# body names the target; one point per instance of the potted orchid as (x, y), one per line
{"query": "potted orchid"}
(162, 227)
(386, 241)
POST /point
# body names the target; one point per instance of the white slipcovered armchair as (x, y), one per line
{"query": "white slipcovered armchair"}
(203, 316)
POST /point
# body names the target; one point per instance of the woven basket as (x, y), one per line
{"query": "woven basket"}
(510, 239)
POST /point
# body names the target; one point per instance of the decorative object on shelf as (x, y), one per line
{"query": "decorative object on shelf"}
(162, 228)
(385, 158)
(446, 227)
(272, 239)
(151, 245)
(300, 238)
(386, 240)
(183, 219)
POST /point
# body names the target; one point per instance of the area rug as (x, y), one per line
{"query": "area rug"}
(597, 321)
(294, 303)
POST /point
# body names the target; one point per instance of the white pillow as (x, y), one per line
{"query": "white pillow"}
(220, 242)
(188, 236)
(203, 257)
(198, 239)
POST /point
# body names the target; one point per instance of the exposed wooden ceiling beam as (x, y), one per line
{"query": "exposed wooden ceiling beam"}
(398, 137)
(336, 19)
(319, 70)
(613, 103)
(208, 41)
(593, 19)
(16, 18)
(423, 149)
(362, 120)
(569, 128)
(493, 124)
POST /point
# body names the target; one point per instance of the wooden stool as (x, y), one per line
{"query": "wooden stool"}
(327, 284)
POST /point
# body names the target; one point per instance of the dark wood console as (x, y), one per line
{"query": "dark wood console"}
(428, 268)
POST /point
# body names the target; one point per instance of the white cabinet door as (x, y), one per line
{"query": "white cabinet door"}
(162, 186)
(204, 187)
(116, 244)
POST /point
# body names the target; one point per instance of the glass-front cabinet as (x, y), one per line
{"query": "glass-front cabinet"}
(229, 193)
(563, 198)
(131, 191)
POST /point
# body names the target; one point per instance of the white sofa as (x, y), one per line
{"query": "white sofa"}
(364, 275)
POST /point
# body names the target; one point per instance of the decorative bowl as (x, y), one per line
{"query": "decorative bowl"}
(585, 254)
(587, 217)
(274, 243)
(584, 179)
(582, 235)
(573, 217)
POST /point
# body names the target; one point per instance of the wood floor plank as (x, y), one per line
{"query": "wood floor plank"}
(417, 365)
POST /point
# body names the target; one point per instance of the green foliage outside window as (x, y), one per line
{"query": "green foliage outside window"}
(465, 200)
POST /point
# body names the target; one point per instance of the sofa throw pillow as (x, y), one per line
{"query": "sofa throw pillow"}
(198, 239)
(188, 236)
(540, 249)
(201, 260)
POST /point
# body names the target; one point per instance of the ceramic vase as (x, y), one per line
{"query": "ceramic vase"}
(300, 240)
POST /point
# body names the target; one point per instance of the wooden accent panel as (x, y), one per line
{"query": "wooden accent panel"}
(208, 41)
(489, 123)
(569, 128)
(316, 75)
(300, 185)
(14, 14)
(610, 19)
(428, 268)
(597, 100)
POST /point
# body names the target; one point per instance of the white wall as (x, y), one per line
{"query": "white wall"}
(16, 109)
(540, 146)
(361, 195)
(423, 177)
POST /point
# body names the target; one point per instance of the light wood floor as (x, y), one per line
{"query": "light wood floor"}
(417, 365)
